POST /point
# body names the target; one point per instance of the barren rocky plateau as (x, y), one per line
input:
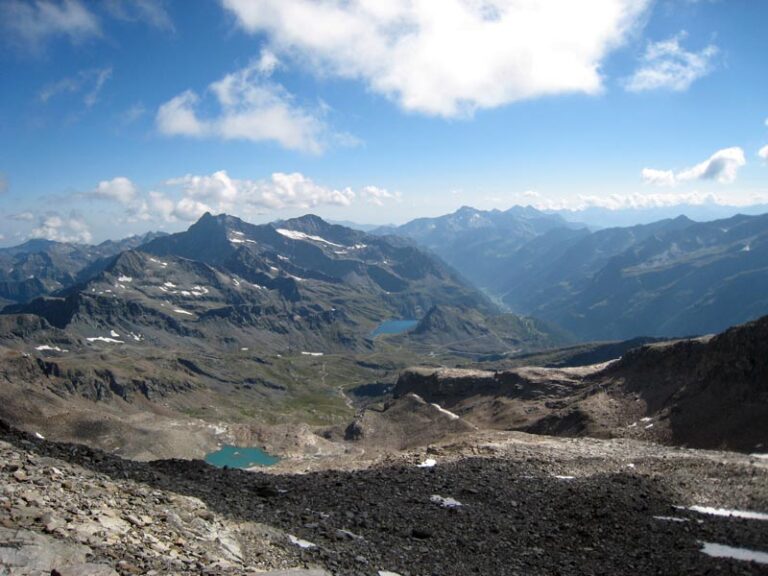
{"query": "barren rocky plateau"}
(486, 503)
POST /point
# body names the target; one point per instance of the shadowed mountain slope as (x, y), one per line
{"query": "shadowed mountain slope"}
(709, 392)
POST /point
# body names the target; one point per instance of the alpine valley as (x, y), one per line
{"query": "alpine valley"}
(383, 288)
(389, 390)
(674, 277)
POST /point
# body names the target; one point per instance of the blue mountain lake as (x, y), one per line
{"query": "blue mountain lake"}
(240, 457)
(393, 327)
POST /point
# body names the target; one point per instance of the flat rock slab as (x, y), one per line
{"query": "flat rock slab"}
(26, 553)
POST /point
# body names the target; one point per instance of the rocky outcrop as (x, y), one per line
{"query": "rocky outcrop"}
(407, 422)
(709, 392)
(58, 516)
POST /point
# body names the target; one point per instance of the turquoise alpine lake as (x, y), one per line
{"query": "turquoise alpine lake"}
(240, 457)
(393, 327)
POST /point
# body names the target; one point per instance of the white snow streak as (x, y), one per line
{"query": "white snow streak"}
(295, 235)
(47, 348)
(105, 339)
(448, 413)
(299, 542)
(726, 512)
(723, 551)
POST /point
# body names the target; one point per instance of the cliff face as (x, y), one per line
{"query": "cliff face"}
(713, 391)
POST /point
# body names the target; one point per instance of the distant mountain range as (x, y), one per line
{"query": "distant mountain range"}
(300, 283)
(295, 286)
(40, 267)
(597, 217)
(475, 241)
(673, 277)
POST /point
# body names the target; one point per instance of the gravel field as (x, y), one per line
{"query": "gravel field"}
(492, 504)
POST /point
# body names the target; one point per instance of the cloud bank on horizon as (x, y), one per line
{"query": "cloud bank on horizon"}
(138, 113)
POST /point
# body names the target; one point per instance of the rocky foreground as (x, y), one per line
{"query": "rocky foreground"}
(496, 503)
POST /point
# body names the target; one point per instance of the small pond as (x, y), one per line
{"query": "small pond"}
(393, 327)
(240, 457)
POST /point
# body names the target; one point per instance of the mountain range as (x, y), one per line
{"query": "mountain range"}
(669, 278)
(236, 321)
(39, 267)
(301, 283)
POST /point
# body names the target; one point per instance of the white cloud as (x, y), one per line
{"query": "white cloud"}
(177, 116)
(89, 83)
(659, 177)
(189, 209)
(279, 191)
(161, 205)
(132, 114)
(378, 196)
(637, 201)
(722, 166)
(119, 189)
(152, 12)
(763, 153)
(451, 57)
(251, 107)
(92, 96)
(55, 227)
(667, 65)
(22, 217)
(32, 24)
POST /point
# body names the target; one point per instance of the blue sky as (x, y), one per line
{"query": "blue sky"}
(121, 116)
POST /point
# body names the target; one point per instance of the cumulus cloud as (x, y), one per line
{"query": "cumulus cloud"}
(451, 57)
(250, 107)
(722, 166)
(279, 191)
(189, 209)
(53, 226)
(177, 117)
(379, 196)
(89, 83)
(667, 65)
(32, 23)
(763, 153)
(119, 189)
(22, 217)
